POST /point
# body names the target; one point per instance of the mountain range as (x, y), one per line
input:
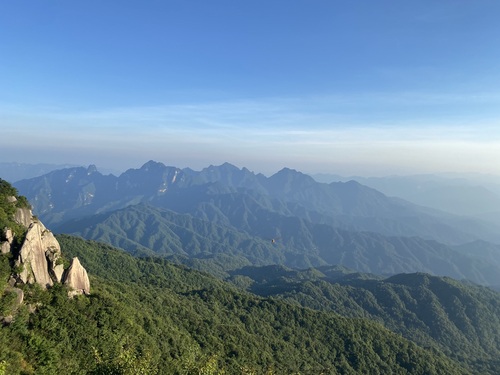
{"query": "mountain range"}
(475, 195)
(147, 315)
(13, 171)
(222, 218)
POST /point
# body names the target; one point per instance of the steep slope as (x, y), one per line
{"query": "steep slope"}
(146, 230)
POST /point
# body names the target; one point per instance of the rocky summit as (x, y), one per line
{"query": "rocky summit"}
(37, 256)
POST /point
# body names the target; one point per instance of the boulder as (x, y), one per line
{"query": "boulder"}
(5, 246)
(76, 278)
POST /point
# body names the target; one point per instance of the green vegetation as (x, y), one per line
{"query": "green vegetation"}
(217, 243)
(8, 209)
(461, 320)
(148, 316)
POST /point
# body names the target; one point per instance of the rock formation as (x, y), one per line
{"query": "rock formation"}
(38, 259)
(6, 245)
(76, 278)
(23, 216)
(39, 256)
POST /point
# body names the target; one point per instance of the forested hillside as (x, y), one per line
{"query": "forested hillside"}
(147, 316)
(462, 320)
(220, 242)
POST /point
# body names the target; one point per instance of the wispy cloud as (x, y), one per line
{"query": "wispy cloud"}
(320, 111)
(371, 128)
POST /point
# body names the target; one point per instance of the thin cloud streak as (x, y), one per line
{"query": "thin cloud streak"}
(328, 110)
(311, 132)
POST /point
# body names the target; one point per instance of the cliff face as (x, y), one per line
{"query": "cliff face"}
(23, 216)
(39, 256)
(38, 259)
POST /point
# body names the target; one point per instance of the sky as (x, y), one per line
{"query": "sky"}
(354, 87)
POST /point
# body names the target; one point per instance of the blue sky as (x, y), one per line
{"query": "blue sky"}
(349, 87)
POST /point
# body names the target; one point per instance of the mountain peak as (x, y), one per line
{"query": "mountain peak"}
(287, 174)
(152, 165)
(226, 167)
(287, 170)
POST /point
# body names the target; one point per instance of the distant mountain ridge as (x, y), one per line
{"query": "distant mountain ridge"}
(190, 213)
(473, 195)
(13, 171)
(76, 192)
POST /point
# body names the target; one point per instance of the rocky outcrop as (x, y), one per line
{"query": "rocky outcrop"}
(34, 254)
(39, 259)
(11, 199)
(6, 245)
(76, 278)
(23, 216)
(39, 256)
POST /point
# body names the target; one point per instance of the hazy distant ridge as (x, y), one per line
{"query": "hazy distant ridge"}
(221, 211)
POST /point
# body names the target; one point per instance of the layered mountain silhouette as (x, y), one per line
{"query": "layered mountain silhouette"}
(230, 217)
(476, 195)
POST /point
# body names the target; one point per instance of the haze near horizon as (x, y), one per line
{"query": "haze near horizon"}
(352, 88)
